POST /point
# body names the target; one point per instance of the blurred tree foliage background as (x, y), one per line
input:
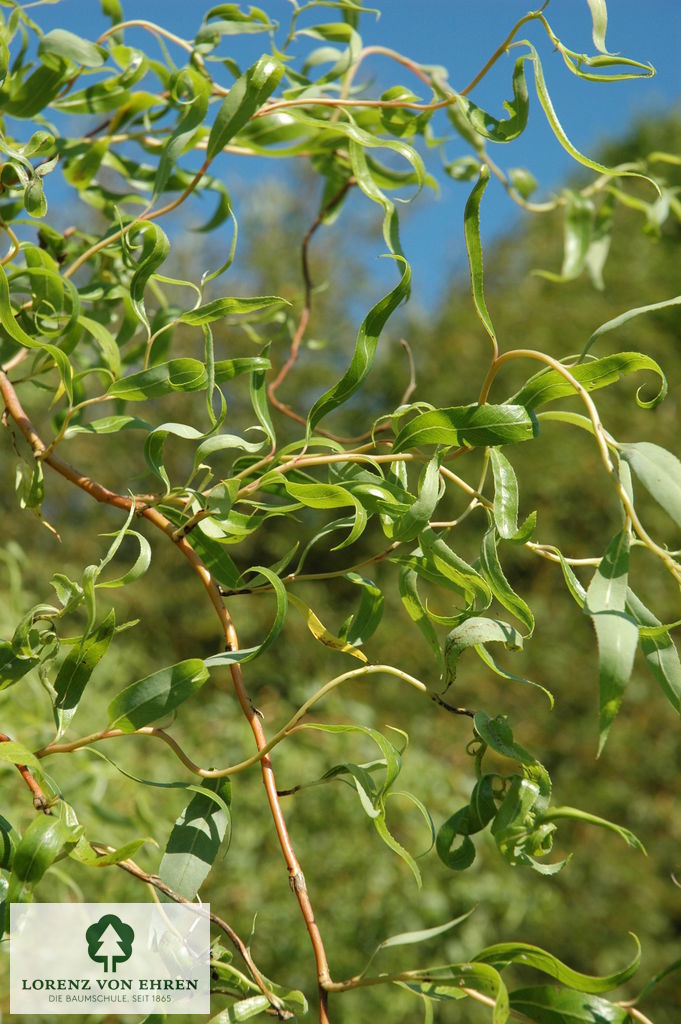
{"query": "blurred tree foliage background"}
(608, 889)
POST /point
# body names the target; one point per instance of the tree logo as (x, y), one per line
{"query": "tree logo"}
(109, 941)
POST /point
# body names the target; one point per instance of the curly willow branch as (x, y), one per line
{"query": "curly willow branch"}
(102, 494)
(241, 766)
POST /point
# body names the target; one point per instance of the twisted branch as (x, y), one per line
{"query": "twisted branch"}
(106, 496)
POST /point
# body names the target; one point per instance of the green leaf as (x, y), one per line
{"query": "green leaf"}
(407, 526)
(231, 657)
(9, 840)
(599, 18)
(220, 308)
(466, 822)
(623, 318)
(76, 669)
(155, 249)
(156, 695)
(35, 201)
(512, 677)
(659, 651)
(245, 1009)
(478, 630)
(258, 394)
(474, 250)
(497, 734)
(509, 128)
(559, 132)
(329, 496)
(505, 953)
(180, 375)
(548, 385)
(230, 20)
(660, 473)
(523, 181)
(65, 45)
(617, 633)
(499, 585)
(84, 853)
(188, 81)
(45, 839)
(196, 838)
(367, 618)
(388, 838)
(12, 327)
(468, 425)
(154, 445)
(107, 425)
(37, 90)
(422, 935)
(136, 570)
(409, 594)
(14, 666)
(555, 813)
(106, 341)
(391, 755)
(365, 350)
(545, 1004)
(12, 752)
(163, 379)
(246, 96)
(505, 494)
(449, 569)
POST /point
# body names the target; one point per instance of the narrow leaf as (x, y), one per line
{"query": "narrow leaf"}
(599, 18)
(616, 631)
(548, 385)
(156, 695)
(660, 473)
(479, 630)
(499, 585)
(661, 655)
(474, 250)
(546, 1004)
(505, 953)
(76, 669)
(196, 838)
(246, 96)
(365, 351)
(469, 425)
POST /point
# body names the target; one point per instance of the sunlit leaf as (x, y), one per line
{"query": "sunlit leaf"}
(196, 838)
(156, 695)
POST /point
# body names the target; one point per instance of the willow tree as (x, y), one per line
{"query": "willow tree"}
(100, 345)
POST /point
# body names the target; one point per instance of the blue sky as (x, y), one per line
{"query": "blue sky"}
(461, 34)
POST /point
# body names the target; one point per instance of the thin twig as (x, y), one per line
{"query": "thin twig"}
(307, 301)
(41, 802)
(157, 883)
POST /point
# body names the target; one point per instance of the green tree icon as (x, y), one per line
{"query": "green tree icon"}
(109, 941)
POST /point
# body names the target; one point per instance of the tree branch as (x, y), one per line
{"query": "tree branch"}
(103, 494)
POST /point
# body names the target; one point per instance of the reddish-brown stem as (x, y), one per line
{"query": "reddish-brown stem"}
(40, 801)
(103, 494)
(307, 303)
